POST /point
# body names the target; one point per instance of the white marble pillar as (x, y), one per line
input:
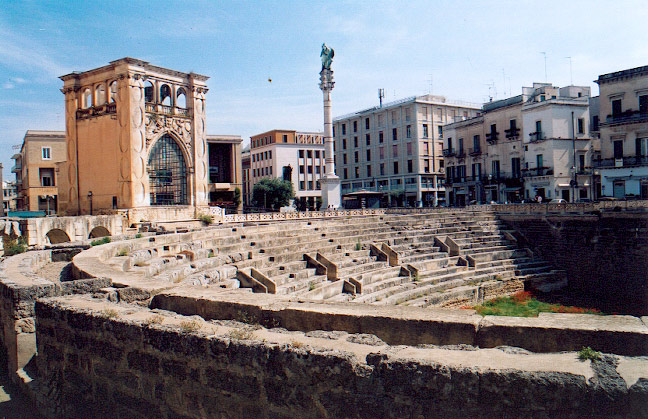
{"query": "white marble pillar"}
(330, 182)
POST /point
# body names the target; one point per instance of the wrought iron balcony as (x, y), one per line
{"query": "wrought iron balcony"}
(512, 133)
(491, 137)
(627, 161)
(461, 154)
(537, 171)
(536, 136)
(448, 152)
(627, 117)
(475, 151)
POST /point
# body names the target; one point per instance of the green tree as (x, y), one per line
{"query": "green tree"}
(397, 198)
(272, 193)
(237, 197)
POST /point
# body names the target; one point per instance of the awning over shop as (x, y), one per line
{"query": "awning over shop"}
(512, 189)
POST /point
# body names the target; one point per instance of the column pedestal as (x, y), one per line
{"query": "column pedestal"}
(330, 192)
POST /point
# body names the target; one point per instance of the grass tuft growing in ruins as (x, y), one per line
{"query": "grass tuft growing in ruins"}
(240, 334)
(523, 304)
(14, 246)
(100, 241)
(589, 353)
(123, 252)
(206, 219)
(189, 326)
(111, 313)
(155, 319)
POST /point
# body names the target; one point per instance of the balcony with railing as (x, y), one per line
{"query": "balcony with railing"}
(475, 151)
(537, 171)
(16, 168)
(448, 152)
(99, 110)
(537, 136)
(627, 117)
(167, 110)
(512, 133)
(492, 137)
(627, 161)
(461, 154)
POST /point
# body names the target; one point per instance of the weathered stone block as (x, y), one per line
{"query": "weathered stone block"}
(144, 362)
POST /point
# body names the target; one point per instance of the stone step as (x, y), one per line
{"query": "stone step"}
(301, 286)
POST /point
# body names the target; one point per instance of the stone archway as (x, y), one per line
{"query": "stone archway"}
(99, 231)
(56, 235)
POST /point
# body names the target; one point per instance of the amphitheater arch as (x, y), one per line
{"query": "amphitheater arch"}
(56, 235)
(99, 231)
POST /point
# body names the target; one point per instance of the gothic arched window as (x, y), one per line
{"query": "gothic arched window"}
(167, 172)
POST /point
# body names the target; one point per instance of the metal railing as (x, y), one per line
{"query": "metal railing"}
(627, 161)
(536, 136)
(537, 171)
(627, 117)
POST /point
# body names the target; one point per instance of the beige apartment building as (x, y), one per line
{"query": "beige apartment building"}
(394, 151)
(534, 144)
(37, 180)
(623, 123)
(136, 138)
(294, 156)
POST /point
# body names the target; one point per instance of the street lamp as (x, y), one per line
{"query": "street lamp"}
(90, 199)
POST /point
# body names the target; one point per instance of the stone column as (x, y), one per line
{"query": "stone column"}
(330, 182)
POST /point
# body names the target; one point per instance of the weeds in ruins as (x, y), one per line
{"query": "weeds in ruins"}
(189, 326)
(523, 304)
(104, 240)
(240, 334)
(111, 313)
(123, 252)
(589, 353)
(14, 246)
(296, 344)
(155, 319)
(206, 219)
(138, 236)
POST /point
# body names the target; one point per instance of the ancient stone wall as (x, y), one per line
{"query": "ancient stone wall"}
(605, 255)
(120, 363)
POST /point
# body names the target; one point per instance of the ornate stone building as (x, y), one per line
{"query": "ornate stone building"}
(135, 136)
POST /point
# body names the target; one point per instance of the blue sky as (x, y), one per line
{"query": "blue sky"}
(465, 50)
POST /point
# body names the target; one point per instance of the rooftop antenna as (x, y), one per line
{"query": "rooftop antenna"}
(545, 61)
(504, 80)
(381, 95)
(571, 79)
(431, 84)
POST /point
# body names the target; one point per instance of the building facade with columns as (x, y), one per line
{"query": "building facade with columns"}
(395, 150)
(135, 138)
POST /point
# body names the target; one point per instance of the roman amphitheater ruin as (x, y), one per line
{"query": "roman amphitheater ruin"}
(332, 314)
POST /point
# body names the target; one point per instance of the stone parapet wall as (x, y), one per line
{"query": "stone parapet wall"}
(20, 287)
(396, 325)
(104, 360)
